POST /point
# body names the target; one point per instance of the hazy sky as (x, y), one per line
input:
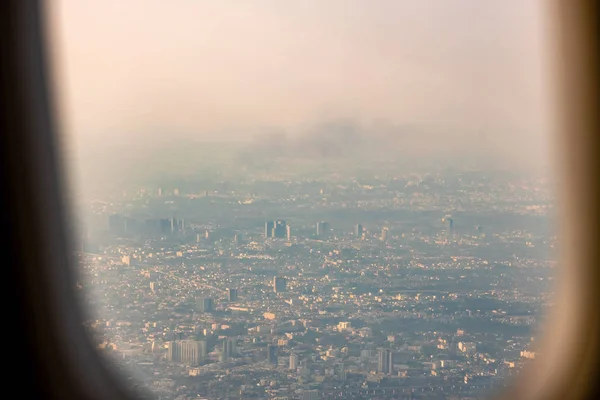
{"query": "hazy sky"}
(215, 69)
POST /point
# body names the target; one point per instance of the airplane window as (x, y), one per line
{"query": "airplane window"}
(310, 199)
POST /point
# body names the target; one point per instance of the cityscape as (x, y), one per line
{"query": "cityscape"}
(370, 281)
(310, 200)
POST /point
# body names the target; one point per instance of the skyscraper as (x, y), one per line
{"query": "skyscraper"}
(293, 361)
(450, 225)
(269, 227)
(238, 239)
(323, 229)
(272, 354)
(385, 361)
(384, 234)
(341, 371)
(279, 284)
(288, 230)
(204, 304)
(358, 232)
(232, 294)
(279, 229)
(187, 351)
(480, 232)
(229, 349)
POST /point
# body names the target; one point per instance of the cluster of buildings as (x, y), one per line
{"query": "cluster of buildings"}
(415, 303)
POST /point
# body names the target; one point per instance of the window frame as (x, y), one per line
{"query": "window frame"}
(57, 352)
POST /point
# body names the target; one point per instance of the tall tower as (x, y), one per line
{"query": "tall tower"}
(269, 227)
(232, 294)
(204, 304)
(279, 229)
(323, 229)
(358, 231)
(293, 361)
(383, 364)
(341, 371)
(288, 231)
(228, 349)
(384, 234)
(238, 238)
(450, 227)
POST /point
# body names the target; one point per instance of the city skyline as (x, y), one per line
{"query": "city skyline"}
(309, 200)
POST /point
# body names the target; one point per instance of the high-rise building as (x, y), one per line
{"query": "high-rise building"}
(341, 372)
(269, 228)
(272, 354)
(232, 294)
(385, 362)
(279, 229)
(238, 238)
(480, 232)
(173, 352)
(229, 349)
(279, 284)
(288, 232)
(187, 351)
(204, 304)
(384, 234)
(450, 225)
(323, 229)
(293, 361)
(358, 232)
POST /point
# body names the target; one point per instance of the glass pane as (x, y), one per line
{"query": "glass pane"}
(310, 199)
